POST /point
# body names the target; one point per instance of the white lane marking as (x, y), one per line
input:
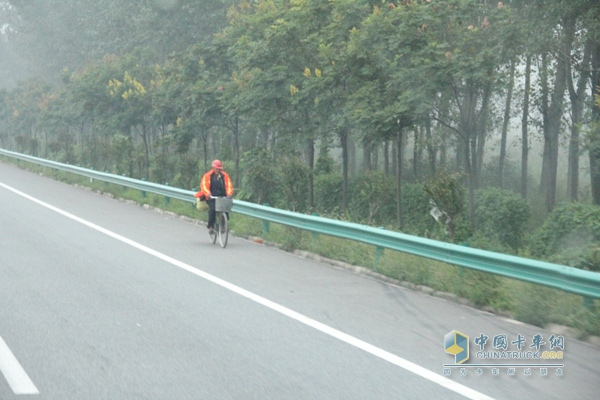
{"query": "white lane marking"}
(351, 340)
(14, 373)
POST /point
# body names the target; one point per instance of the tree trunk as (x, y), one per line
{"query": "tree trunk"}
(505, 124)
(594, 137)
(416, 154)
(444, 150)
(205, 149)
(431, 149)
(310, 160)
(399, 162)
(345, 156)
(444, 106)
(367, 156)
(471, 127)
(556, 110)
(146, 152)
(351, 154)
(374, 156)
(482, 126)
(236, 150)
(545, 124)
(577, 96)
(466, 149)
(524, 130)
(395, 157)
(471, 179)
(386, 158)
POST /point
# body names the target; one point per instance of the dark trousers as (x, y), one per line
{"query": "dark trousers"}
(211, 213)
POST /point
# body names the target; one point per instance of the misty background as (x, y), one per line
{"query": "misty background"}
(369, 111)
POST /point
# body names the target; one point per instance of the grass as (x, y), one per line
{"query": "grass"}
(533, 304)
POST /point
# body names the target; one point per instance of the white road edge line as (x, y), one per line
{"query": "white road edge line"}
(14, 373)
(351, 340)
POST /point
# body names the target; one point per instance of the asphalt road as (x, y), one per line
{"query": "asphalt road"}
(102, 299)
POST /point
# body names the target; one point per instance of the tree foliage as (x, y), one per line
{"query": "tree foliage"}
(571, 236)
(447, 196)
(156, 89)
(503, 216)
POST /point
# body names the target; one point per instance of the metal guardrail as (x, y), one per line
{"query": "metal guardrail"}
(568, 279)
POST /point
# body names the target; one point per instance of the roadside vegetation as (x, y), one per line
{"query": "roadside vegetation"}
(421, 116)
(522, 301)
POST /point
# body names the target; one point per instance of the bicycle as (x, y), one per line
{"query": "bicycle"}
(221, 229)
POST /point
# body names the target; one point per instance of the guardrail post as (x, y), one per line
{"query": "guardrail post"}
(314, 235)
(265, 224)
(378, 254)
(193, 203)
(167, 199)
(461, 270)
(143, 191)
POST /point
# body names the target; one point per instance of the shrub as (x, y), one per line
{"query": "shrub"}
(570, 236)
(415, 211)
(163, 169)
(448, 194)
(325, 163)
(328, 192)
(189, 172)
(533, 303)
(479, 287)
(373, 198)
(294, 184)
(502, 215)
(259, 183)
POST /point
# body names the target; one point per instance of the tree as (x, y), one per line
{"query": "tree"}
(456, 52)
(564, 21)
(555, 111)
(525, 129)
(594, 135)
(11, 63)
(338, 81)
(24, 110)
(507, 115)
(135, 109)
(593, 23)
(577, 97)
(54, 34)
(274, 51)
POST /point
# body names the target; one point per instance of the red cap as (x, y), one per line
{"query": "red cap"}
(217, 164)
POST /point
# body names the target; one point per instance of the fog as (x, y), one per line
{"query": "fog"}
(54, 36)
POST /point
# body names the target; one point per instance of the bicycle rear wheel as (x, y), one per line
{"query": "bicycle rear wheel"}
(223, 229)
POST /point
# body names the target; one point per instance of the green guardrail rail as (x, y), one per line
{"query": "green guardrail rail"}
(568, 279)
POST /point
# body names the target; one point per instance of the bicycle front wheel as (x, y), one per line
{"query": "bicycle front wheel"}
(223, 229)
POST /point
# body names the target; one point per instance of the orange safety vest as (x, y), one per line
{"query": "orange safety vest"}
(205, 185)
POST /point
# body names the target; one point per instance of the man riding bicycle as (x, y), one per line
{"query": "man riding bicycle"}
(217, 183)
